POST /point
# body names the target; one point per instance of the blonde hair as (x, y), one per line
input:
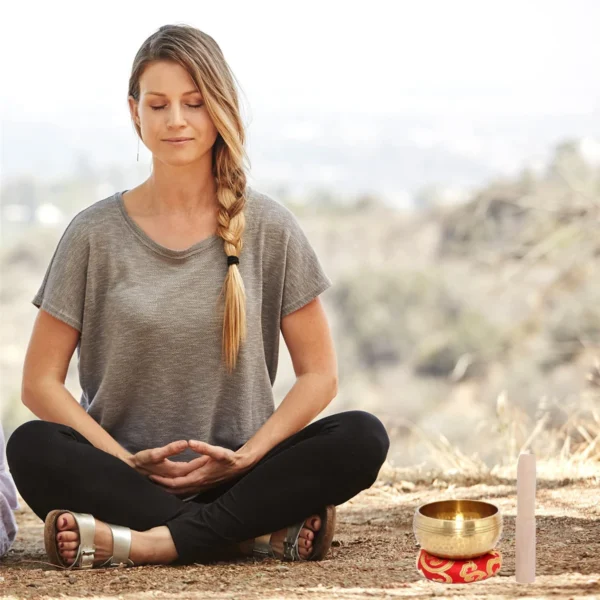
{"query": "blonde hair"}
(202, 58)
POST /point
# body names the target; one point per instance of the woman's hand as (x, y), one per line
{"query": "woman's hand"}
(218, 465)
(154, 461)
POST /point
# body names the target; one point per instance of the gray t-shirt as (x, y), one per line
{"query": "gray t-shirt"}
(150, 318)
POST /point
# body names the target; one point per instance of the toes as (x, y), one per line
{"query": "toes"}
(314, 522)
(304, 544)
(65, 521)
(68, 545)
(303, 550)
(68, 536)
(307, 533)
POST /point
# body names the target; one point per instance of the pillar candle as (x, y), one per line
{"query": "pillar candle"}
(525, 522)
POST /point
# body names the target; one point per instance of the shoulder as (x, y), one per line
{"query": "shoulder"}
(91, 219)
(270, 213)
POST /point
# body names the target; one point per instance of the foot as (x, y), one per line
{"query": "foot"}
(152, 546)
(305, 539)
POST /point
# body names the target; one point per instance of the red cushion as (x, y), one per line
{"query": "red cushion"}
(447, 570)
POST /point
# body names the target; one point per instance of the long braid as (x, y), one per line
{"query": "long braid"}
(231, 223)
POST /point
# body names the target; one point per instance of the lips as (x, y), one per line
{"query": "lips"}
(178, 143)
(178, 139)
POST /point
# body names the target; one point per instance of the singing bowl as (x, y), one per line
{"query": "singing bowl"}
(438, 532)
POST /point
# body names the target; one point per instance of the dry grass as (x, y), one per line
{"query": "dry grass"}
(569, 450)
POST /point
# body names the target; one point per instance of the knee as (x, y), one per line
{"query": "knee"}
(366, 432)
(24, 441)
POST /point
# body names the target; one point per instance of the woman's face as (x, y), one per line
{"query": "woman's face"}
(166, 110)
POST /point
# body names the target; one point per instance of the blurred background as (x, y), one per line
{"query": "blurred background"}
(442, 157)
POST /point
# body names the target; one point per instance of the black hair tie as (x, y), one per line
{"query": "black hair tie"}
(233, 260)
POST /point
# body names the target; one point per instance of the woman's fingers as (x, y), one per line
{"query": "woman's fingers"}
(168, 482)
(169, 450)
(173, 482)
(196, 463)
(217, 452)
(156, 455)
(181, 469)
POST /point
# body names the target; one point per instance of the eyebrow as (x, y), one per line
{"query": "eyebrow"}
(185, 93)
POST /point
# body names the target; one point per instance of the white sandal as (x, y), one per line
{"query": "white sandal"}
(84, 559)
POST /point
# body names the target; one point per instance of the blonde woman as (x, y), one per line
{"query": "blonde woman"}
(175, 294)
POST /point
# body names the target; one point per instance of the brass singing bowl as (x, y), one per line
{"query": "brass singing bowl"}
(439, 532)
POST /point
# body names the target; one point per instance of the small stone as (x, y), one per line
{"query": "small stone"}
(282, 568)
(72, 579)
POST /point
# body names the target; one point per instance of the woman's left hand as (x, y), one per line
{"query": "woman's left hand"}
(220, 465)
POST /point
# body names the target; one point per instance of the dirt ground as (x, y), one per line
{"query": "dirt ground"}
(373, 555)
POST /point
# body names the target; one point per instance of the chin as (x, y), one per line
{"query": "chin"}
(179, 161)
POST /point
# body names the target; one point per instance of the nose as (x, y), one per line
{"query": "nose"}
(175, 117)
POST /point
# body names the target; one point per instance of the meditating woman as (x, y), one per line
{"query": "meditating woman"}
(175, 453)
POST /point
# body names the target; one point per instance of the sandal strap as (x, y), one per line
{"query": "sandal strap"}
(121, 547)
(262, 546)
(290, 543)
(86, 523)
(84, 559)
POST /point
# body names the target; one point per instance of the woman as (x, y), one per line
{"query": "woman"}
(175, 453)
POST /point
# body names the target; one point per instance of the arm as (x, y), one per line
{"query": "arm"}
(51, 401)
(308, 338)
(43, 391)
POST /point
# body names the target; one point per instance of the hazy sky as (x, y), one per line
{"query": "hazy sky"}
(71, 60)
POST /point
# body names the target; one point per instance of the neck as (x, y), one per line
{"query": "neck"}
(191, 198)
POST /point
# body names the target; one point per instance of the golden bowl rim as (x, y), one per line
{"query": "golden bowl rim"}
(494, 516)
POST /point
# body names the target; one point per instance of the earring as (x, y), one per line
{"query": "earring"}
(138, 150)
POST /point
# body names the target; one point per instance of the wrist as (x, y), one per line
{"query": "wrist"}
(246, 458)
(127, 459)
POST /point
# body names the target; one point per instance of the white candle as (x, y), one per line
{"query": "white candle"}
(525, 521)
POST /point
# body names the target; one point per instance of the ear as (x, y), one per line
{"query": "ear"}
(133, 109)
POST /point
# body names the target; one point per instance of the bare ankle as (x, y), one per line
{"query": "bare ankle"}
(153, 546)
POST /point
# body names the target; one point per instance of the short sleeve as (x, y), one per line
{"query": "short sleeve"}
(305, 278)
(62, 292)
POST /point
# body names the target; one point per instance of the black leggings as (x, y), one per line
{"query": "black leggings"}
(328, 462)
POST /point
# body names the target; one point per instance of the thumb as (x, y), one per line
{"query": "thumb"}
(216, 452)
(156, 455)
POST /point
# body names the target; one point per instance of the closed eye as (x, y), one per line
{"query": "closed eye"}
(190, 105)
